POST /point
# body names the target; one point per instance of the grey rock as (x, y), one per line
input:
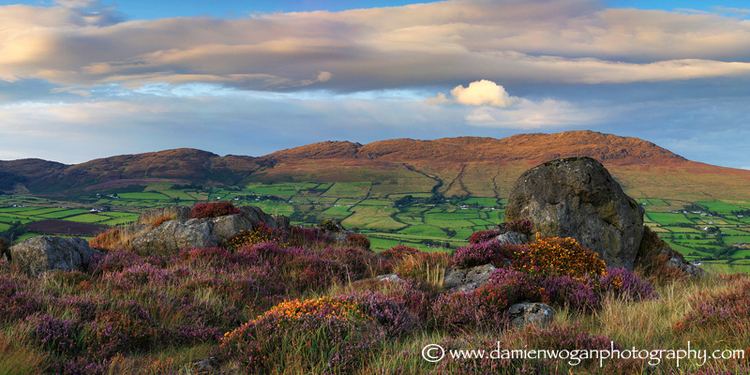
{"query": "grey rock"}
(206, 366)
(525, 313)
(467, 279)
(174, 235)
(40, 254)
(391, 277)
(577, 197)
(512, 238)
(688, 268)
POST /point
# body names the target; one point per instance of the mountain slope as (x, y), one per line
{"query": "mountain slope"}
(452, 166)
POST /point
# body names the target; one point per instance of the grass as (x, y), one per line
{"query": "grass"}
(452, 220)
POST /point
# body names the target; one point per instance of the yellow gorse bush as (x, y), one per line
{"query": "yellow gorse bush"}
(560, 256)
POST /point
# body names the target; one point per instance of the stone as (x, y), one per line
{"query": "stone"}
(391, 277)
(512, 238)
(525, 313)
(174, 235)
(577, 197)
(40, 254)
(467, 279)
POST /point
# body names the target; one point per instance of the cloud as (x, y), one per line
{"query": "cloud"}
(550, 41)
(482, 92)
(527, 114)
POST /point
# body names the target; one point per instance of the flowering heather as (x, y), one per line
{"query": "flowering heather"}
(521, 226)
(626, 284)
(399, 252)
(477, 254)
(358, 240)
(327, 334)
(54, 334)
(128, 327)
(15, 301)
(138, 275)
(213, 209)
(559, 256)
(709, 311)
(484, 235)
(391, 313)
(115, 261)
(308, 237)
(576, 294)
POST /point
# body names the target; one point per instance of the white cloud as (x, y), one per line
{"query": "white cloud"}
(570, 41)
(483, 92)
(528, 114)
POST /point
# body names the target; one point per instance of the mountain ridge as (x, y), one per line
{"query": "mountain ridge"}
(482, 166)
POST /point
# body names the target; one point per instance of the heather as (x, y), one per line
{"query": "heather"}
(298, 301)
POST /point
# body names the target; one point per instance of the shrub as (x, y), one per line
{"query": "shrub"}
(423, 268)
(330, 225)
(314, 335)
(477, 254)
(521, 226)
(115, 261)
(54, 334)
(213, 209)
(390, 312)
(484, 307)
(308, 237)
(126, 327)
(259, 234)
(715, 310)
(15, 300)
(559, 256)
(398, 252)
(576, 294)
(484, 235)
(358, 240)
(627, 285)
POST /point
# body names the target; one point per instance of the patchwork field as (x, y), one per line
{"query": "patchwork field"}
(714, 232)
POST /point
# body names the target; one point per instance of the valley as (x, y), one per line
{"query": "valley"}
(713, 232)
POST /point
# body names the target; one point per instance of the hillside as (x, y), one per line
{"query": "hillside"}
(464, 166)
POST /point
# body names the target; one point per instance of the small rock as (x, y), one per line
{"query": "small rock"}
(512, 238)
(40, 254)
(391, 277)
(522, 314)
(467, 279)
(205, 366)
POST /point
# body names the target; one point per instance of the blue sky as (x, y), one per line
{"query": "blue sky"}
(81, 79)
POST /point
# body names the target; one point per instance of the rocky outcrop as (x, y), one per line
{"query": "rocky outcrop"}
(538, 314)
(467, 279)
(182, 233)
(512, 238)
(40, 254)
(577, 197)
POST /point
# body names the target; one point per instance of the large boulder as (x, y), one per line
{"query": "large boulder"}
(40, 254)
(182, 233)
(577, 197)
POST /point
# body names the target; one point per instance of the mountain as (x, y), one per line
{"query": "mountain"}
(451, 166)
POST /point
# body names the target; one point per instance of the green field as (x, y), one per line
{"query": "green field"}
(714, 232)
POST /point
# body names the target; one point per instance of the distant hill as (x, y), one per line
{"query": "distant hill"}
(451, 166)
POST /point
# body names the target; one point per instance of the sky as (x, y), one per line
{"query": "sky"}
(83, 79)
